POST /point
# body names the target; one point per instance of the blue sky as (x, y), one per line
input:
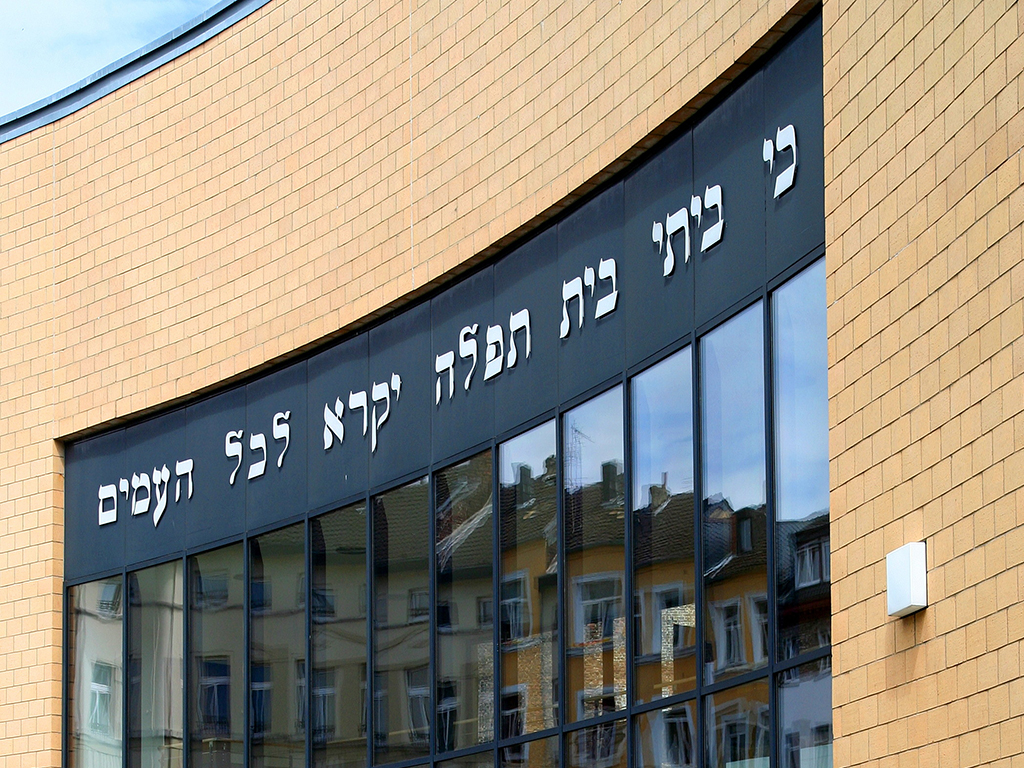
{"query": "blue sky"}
(47, 45)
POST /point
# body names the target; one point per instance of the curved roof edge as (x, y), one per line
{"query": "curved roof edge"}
(131, 67)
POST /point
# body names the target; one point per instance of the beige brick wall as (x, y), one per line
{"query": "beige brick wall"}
(924, 212)
(307, 168)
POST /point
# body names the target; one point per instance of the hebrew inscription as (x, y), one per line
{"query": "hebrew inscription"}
(145, 491)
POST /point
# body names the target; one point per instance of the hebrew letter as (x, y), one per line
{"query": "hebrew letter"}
(785, 138)
(588, 279)
(258, 442)
(332, 423)
(768, 153)
(233, 447)
(282, 431)
(124, 487)
(468, 348)
(495, 351)
(713, 199)
(518, 321)
(182, 468)
(396, 385)
(358, 400)
(606, 304)
(658, 235)
(695, 208)
(108, 493)
(570, 290)
(442, 363)
(161, 479)
(680, 220)
(380, 393)
(140, 506)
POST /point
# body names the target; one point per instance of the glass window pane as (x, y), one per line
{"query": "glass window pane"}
(805, 716)
(463, 504)
(598, 746)
(528, 605)
(736, 727)
(155, 662)
(277, 635)
(663, 599)
(801, 462)
(401, 581)
(595, 530)
(733, 452)
(667, 738)
(95, 672)
(216, 658)
(338, 605)
(478, 760)
(542, 753)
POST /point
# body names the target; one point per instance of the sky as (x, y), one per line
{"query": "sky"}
(47, 45)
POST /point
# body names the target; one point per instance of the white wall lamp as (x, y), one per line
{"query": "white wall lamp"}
(906, 579)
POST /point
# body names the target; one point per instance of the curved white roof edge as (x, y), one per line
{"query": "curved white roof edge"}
(131, 67)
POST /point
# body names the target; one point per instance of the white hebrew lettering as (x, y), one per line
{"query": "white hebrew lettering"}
(696, 210)
(680, 220)
(785, 138)
(183, 468)
(495, 351)
(140, 506)
(332, 423)
(588, 279)
(161, 479)
(233, 448)
(380, 393)
(768, 154)
(282, 431)
(573, 289)
(658, 236)
(518, 321)
(468, 348)
(442, 363)
(606, 304)
(396, 385)
(258, 442)
(108, 493)
(124, 487)
(358, 400)
(713, 199)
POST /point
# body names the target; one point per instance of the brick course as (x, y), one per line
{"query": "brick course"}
(923, 132)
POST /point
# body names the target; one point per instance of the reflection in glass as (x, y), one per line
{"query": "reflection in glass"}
(478, 760)
(668, 737)
(401, 640)
(95, 673)
(277, 673)
(155, 656)
(663, 546)
(337, 715)
(528, 606)
(805, 716)
(737, 727)
(216, 653)
(598, 746)
(542, 753)
(735, 541)
(463, 504)
(595, 558)
(801, 461)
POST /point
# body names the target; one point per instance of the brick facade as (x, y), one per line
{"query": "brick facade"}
(923, 132)
(316, 165)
